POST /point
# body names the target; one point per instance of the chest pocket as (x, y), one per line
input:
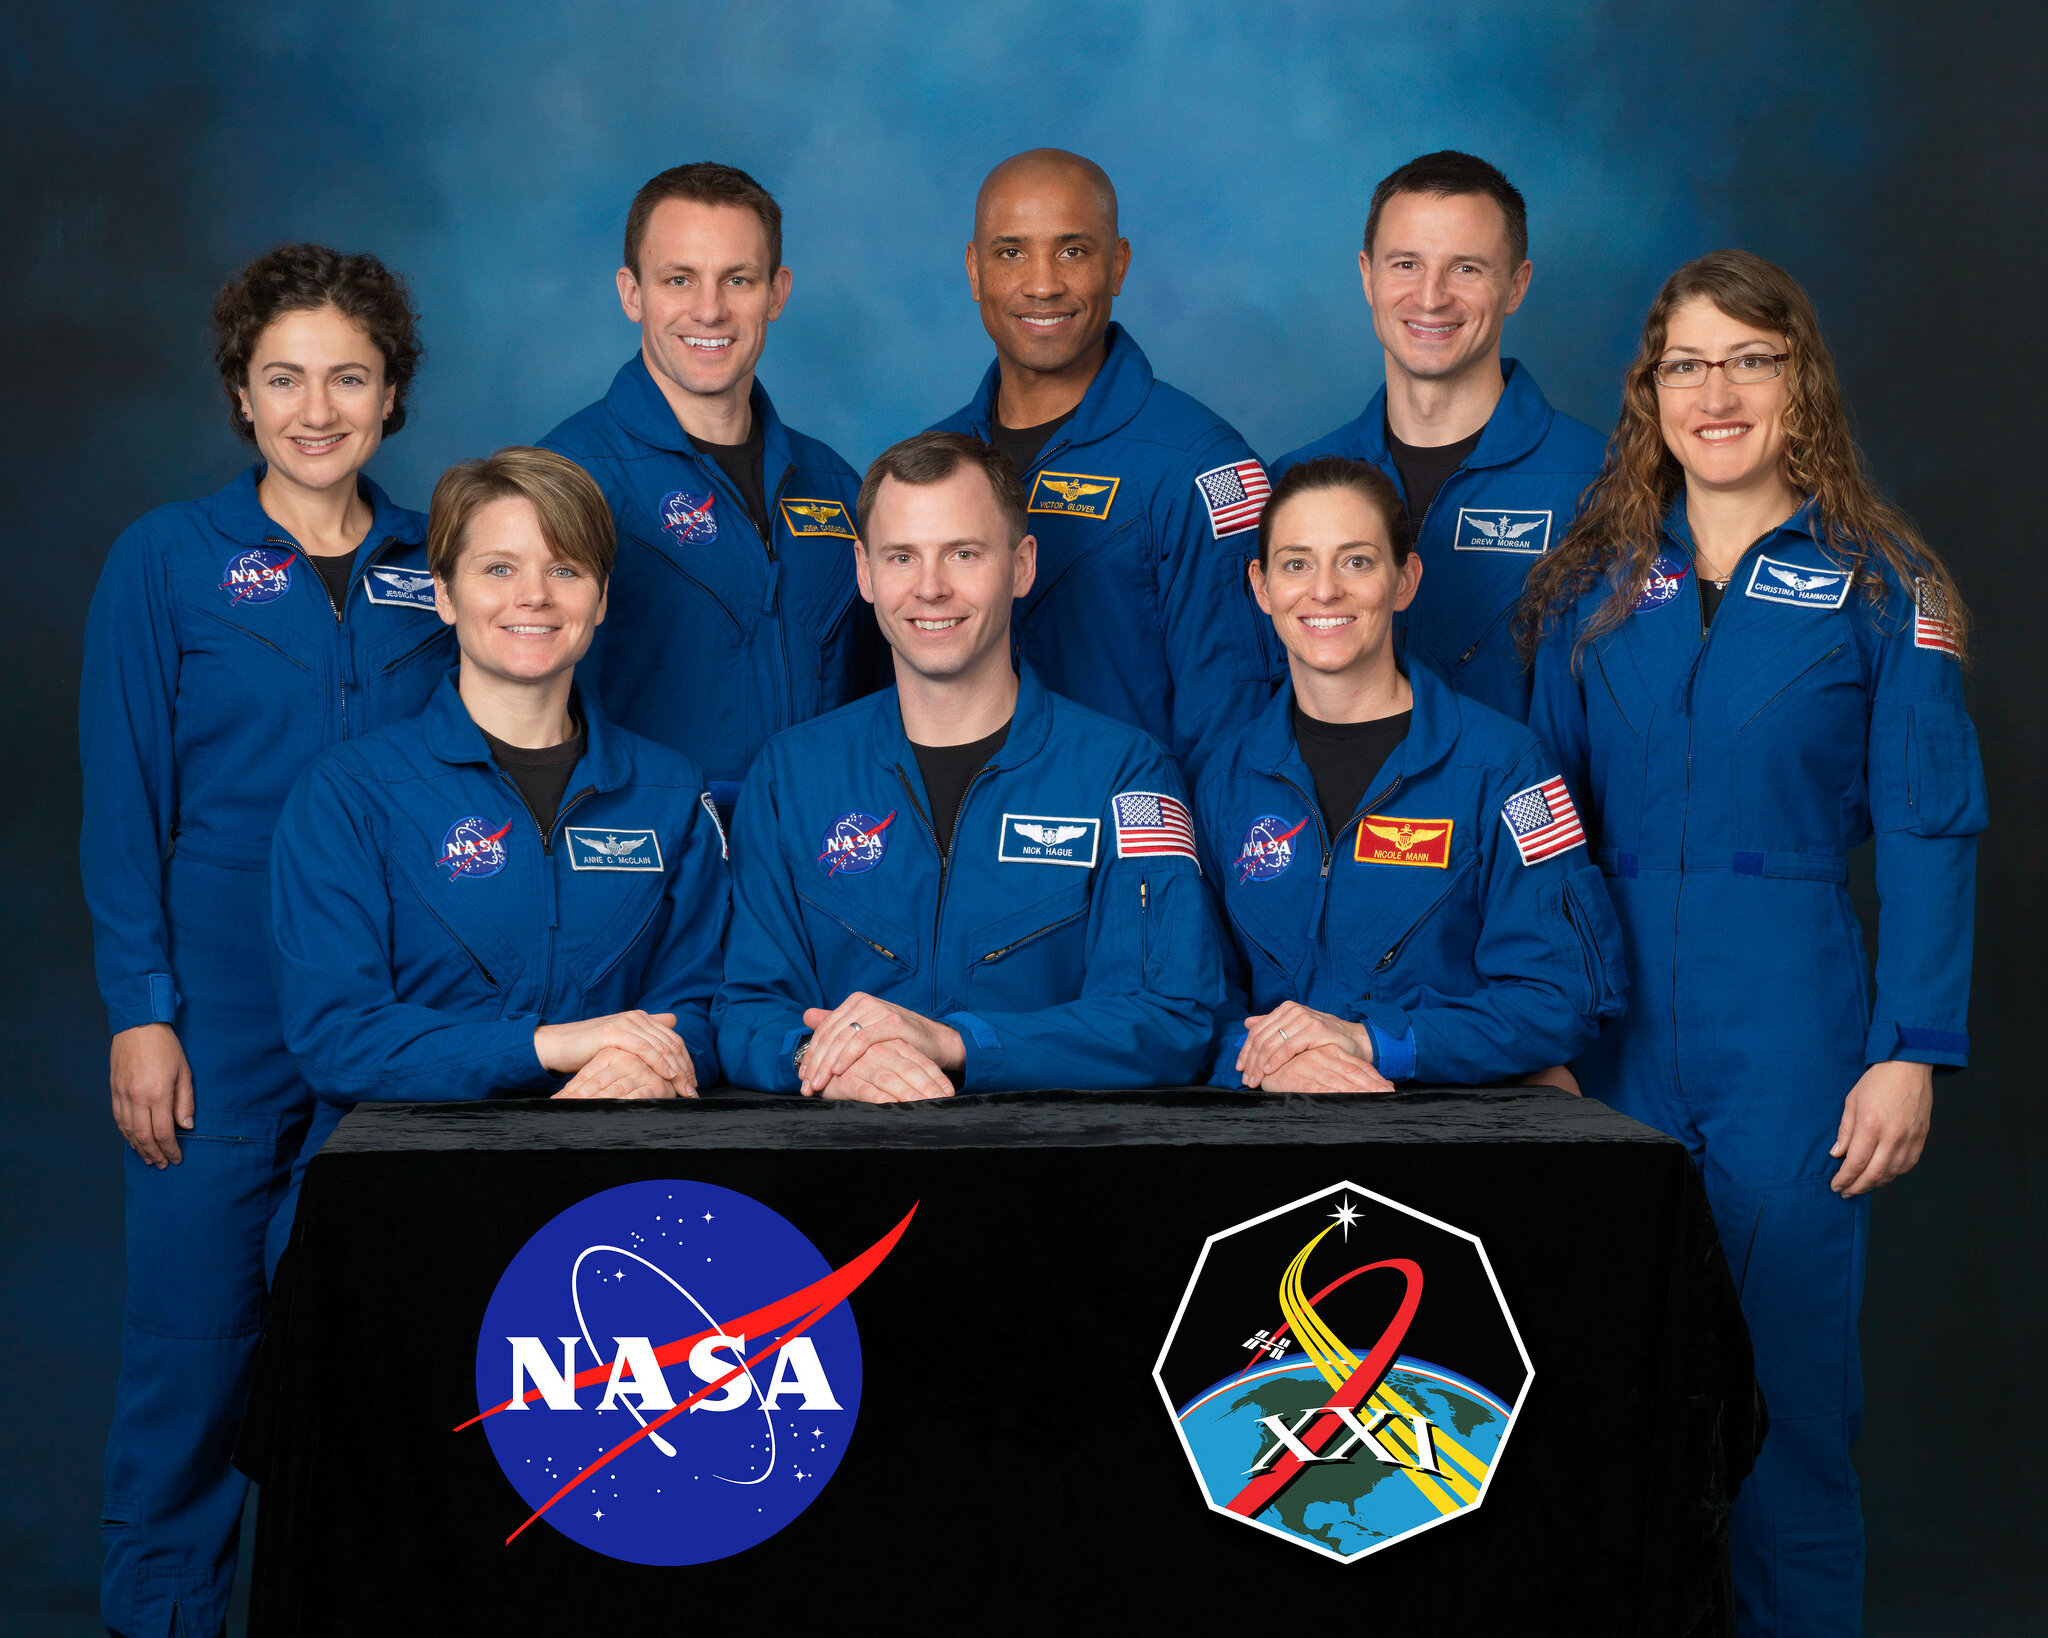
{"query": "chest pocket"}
(1035, 955)
(857, 944)
(616, 952)
(1811, 665)
(1273, 927)
(1422, 933)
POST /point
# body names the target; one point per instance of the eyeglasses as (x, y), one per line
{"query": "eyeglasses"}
(1742, 370)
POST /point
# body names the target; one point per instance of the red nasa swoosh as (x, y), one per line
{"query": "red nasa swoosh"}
(807, 1307)
(1358, 1386)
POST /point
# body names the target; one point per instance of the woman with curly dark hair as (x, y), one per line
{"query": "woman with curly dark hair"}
(230, 640)
(1748, 664)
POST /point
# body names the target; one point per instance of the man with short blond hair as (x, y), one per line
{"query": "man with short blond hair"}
(966, 880)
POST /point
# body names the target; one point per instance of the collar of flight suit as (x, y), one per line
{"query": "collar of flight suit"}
(1678, 530)
(1113, 398)
(637, 404)
(453, 737)
(1515, 427)
(1270, 747)
(1030, 725)
(237, 512)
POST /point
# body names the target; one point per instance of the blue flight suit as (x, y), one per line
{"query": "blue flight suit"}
(1420, 919)
(424, 925)
(1066, 936)
(1142, 609)
(215, 669)
(1728, 777)
(1511, 502)
(717, 640)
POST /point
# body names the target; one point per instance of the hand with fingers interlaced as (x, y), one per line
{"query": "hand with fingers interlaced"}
(860, 1026)
(1290, 1029)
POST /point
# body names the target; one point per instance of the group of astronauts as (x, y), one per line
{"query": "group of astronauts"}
(1072, 746)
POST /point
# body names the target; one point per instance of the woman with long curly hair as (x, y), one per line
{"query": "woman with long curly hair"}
(1748, 663)
(230, 639)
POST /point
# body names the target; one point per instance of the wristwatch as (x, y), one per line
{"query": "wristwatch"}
(803, 1051)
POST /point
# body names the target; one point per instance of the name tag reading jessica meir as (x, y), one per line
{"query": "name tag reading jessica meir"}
(622, 849)
(1036, 838)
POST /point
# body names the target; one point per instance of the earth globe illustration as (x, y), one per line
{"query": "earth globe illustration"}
(1351, 1506)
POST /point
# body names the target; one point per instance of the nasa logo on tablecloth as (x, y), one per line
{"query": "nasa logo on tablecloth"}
(669, 1372)
(1343, 1372)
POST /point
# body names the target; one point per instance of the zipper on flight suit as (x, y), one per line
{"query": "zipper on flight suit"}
(547, 853)
(945, 858)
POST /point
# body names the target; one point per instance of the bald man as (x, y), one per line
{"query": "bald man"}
(1145, 505)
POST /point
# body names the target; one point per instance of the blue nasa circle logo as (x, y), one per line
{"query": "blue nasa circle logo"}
(1667, 575)
(855, 843)
(259, 575)
(691, 519)
(1268, 847)
(669, 1372)
(474, 847)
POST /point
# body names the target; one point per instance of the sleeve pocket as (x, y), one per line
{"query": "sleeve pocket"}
(1595, 935)
(1926, 775)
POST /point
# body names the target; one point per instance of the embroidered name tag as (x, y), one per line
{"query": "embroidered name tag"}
(1383, 839)
(1772, 581)
(1077, 494)
(1037, 838)
(1492, 529)
(817, 517)
(592, 849)
(411, 588)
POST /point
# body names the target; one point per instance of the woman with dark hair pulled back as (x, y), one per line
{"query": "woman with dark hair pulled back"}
(230, 639)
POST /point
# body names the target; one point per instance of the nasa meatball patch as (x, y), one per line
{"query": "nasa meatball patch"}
(1667, 576)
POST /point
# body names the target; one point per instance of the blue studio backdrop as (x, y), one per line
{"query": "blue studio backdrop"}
(1887, 154)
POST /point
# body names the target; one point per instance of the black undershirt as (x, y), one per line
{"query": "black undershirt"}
(743, 464)
(1022, 444)
(1424, 468)
(1710, 599)
(1343, 758)
(334, 572)
(948, 770)
(541, 775)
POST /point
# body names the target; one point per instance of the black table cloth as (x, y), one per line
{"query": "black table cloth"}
(1012, 1464)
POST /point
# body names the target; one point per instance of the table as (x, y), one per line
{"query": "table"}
(1012, 1462)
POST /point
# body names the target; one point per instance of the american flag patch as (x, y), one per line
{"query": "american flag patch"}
(1235, 495)
(1149, 823)
(1930, 619)
(1542, 821)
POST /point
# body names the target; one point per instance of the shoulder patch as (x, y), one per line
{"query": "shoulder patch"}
(260, 574)
(1931, 627)
(1073, 494)
(1039, 838)
(1234, 496)
(1542, 820)
(409, 588)
(1153, 823)
(1775, 581)
(817, 517)
(717, 824)
(687, 519)
(1523, 532)
(612, 848)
